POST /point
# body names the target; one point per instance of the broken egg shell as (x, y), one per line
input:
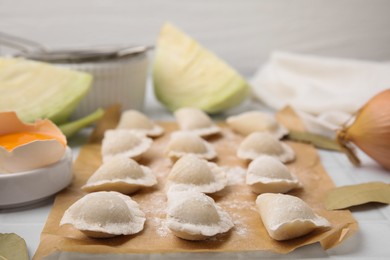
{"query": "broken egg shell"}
(34, 154)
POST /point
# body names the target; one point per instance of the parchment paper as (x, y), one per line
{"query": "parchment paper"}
(248, 234)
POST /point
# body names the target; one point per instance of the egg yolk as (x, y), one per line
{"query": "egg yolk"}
(11, 141)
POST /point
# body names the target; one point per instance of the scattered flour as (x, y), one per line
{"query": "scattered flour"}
(161, 226)
(239, 225)
(239, 205)
(235, 209)
(235, 175)
(157, 202)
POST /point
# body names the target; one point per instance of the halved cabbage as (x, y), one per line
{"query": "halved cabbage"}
(39, 90)
(187, 75)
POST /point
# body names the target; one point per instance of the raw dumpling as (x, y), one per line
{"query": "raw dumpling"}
(120, 174)
(197, 174)
(193, 215)
(261, 143)
(256, 121)
(196, 121)
(135, 120)
(268, 174)
(124, 142)
(286, 217)
(105, 214)
(183, 143)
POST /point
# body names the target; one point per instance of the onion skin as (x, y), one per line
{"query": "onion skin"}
(371, 129)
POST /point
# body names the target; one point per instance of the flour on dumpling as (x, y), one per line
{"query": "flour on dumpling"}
(197, 174)
(196, 121)
(105, 214)
(193, 215)
(182, 143)
(137, 121)
(259, 143)
(286, 217)
(124, 142)
(268, 174)
(256, 121)
(120, 174)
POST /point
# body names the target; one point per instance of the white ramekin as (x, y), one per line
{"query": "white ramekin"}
(115, 81)
(23, 188)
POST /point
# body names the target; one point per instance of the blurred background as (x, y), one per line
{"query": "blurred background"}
(243, 33)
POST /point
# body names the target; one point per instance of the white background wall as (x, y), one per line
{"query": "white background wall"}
(242, 32)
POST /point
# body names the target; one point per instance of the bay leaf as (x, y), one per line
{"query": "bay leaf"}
(353, 195)
(318, 141)
(13, 247)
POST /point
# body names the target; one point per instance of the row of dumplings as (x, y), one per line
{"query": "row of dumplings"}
(108, 211)
(284, 216)
(191, 214)
(262, 135)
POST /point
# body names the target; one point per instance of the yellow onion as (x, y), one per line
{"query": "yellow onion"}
(370, 130)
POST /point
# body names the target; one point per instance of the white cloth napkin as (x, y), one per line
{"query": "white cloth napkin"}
(325, 92)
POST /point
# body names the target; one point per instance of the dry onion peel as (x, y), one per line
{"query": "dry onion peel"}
(370, 131)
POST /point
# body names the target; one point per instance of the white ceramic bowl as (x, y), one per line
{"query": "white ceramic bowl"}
(20, 189)
(115, 81)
